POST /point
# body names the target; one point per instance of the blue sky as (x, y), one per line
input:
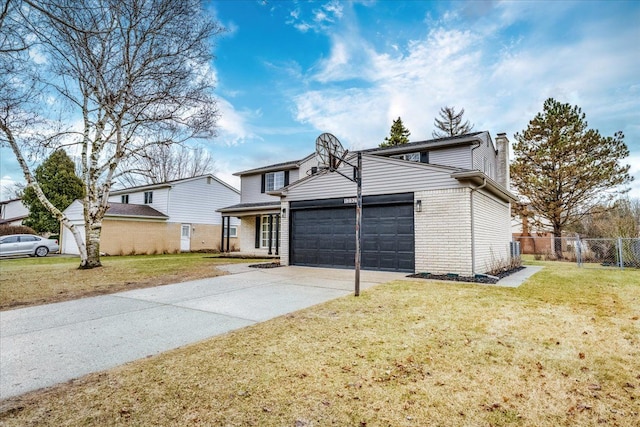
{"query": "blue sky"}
(288, 71)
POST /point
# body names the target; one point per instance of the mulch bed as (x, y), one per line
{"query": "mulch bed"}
(478, 278)
(266, 265)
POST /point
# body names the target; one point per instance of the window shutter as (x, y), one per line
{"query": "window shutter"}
(262, 185)
(286, 178)
(424, 157)
(258, 228)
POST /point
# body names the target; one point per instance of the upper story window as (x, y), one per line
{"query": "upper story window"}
(148, 197)
(272, 181)
(124, 198)
(410, 157)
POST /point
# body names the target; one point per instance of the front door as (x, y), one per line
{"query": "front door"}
(185, 238)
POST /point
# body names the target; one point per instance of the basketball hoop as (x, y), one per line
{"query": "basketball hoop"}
(330, 151)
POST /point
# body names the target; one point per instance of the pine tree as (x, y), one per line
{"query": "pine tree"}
(398, 135)
(566, 170)
(59, 182)
(450, 123)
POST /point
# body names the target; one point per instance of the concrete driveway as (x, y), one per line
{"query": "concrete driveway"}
(46, 345)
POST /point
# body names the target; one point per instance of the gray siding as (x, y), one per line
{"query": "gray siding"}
(380, 175)
(457, 157)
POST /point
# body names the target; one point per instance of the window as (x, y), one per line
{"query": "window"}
(124, 198)
(28, 239)
(264, 235)
(10, 239)
(148, 197)
(274, 181)
(233, 231)
(410, 157)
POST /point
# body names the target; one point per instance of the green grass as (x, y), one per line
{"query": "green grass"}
(33, 281)
(561, 350)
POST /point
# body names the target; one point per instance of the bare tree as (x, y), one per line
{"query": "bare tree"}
(450, 123)
(164, 163)
(135, 73)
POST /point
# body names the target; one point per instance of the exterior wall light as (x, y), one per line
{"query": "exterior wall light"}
(418, 205)
(284, 212)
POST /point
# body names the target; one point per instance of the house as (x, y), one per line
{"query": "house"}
(12, 212)
(175, 216)
(439, 206)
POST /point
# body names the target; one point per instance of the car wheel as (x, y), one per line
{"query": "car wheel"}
(42, 251)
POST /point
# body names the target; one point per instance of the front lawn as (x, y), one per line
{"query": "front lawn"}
(33, 281)
(561, 350)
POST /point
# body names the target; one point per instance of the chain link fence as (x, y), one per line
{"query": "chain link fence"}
(586, 252)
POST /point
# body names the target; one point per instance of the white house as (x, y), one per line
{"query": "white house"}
(12, 212)
(169, 217)
(438, 206)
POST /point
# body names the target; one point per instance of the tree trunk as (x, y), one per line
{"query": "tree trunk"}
(557, 242)
(92, 236)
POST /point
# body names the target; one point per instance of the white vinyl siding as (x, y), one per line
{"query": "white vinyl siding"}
(457, 157)
(250, 186)
(192, 201)
(380, 175)
(196, 202)
(485, 159)
(13, 209)
(160, 200)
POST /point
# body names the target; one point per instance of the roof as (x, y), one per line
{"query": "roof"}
(250, 206)
(134, 210)
(170, 184)
(4, 202)
(10, 220)
(293, 164)
(465, 139)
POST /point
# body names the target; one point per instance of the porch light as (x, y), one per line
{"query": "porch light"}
(418, 205)
(284, 212)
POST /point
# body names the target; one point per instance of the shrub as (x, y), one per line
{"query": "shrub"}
(15, 229)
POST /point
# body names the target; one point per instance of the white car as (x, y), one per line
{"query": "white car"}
(27, 244)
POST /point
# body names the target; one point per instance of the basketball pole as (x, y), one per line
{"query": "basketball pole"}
(358, 223)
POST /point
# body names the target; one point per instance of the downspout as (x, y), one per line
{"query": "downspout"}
(473, 239)
(479, 143)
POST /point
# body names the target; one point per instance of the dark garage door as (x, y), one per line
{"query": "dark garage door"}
(323, 233)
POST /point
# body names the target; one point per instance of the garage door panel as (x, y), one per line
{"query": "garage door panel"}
(387, 237)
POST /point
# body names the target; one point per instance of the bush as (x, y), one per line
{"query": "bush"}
(15, 229)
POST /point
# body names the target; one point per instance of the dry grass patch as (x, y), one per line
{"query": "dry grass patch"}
(33, 281)
(562, 350)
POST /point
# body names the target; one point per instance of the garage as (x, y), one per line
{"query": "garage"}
(323, 233)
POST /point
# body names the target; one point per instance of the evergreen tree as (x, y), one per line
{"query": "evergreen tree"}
(398, 135)
(450, 123)
(566, 170)
(59, 182)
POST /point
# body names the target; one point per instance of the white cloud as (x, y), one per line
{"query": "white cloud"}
(360, 89)
(233, 125)
(7, 186)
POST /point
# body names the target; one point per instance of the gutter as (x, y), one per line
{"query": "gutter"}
(473, 240)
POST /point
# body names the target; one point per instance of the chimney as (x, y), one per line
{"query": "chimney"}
(502, 171)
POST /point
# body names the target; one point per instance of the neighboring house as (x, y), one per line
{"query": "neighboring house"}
(175, 216)
(438, 206)
(12, 212)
